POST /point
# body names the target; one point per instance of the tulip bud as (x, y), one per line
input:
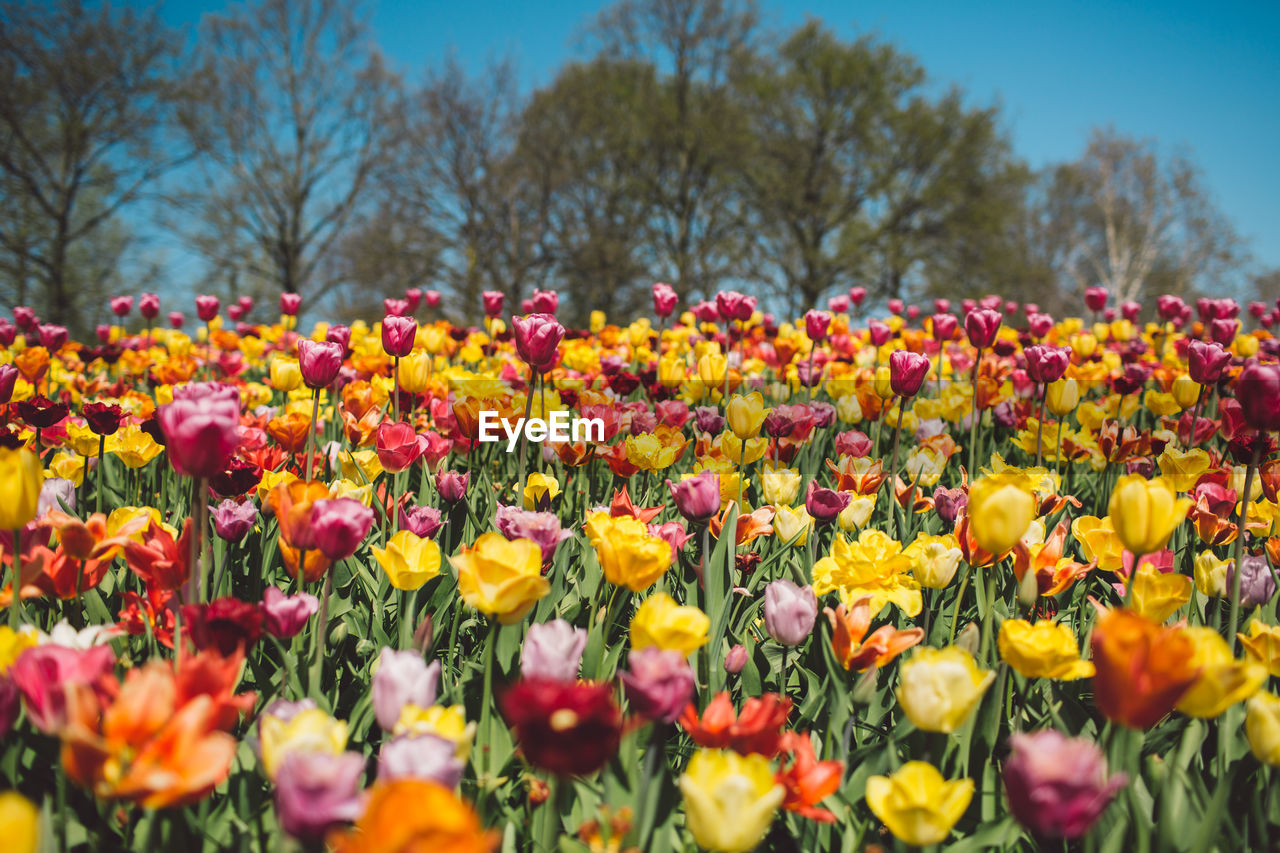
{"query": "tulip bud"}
(864, 692)
(970, 638)
(736, 659)
(1028, 590)
(1062, 397)
(789, 611)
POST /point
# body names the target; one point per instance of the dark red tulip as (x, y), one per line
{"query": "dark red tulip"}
(1047, 364)
(907, 372)
(570, 729)
(981, 326)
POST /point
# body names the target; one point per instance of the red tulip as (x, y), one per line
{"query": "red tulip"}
(538, 339)
(1047, 364)
(398, 334)
(432, 298)
(570, 729)
(1258, 391)
(290, 303)
(907, 372)
(816, 324)
(398, 446)
(103, 418)
(1096, 298)
(121, 305)
(944, 326)
(319, 362)
(981, 326)
(857, 295)
(492, 302)
(207, 307)
(545, 302)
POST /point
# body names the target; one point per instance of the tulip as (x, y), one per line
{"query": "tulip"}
(539, 491)
(659, 683)
(1142, 668)
(149, 306)
(398, 334)
(223, 624)
(316, 791)
(917, 804)
(425, 756)
(1057, 786)
(570, 729)
(1046, 364)
(542, 527)
(297, 729)
(660, 622)
(1000, 510)
(1257, 585)
(422, 521)
(21, 478)
(944, 326)
(402, 678)
(628, 554)
(907, 372)
(981, 326)
(409, 560)
(1042, 650)
(398, 446)
(492, 301)
(502, 578)
(745, 415)
(789, 611)
(232, 520)
(45, 674)
(319, 362)
(825, 505)
(1206, 361)
(729, 799)
(451, 485)
(201, 428)
(538, 339)
(1258, 391)
(697, 498)
(664, 299)
(732, 305)
(736, 659)
(1222, 680)
(8, 377)
(1146, 512)
(19, 823)
(553, 651)
(1262, 727)
(1062, 397)
(940, 688)
(816, 324)
(339, 526)
(284, 616)
(1158, 595)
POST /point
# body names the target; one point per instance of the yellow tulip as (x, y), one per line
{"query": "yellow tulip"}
(712, 369)
(133, 447)
(871, 565)
(1181, 468)
(660, 622)
(917, 804)
(447, 722)
(14, 643)
(629, 556)
(1157, 595)
(649, 452)
(1146, 512)
(409, 560)
(501, 578)
(68, 466)
(81, 439)
(743, 452)
(729, 799)
(780, 485)
(1098, 541)
(1186, 391)
(855, 516)
(940, 688)
(309, 731)
(792, 525)
(540, 490)
(21, 477)
(1062, 397)
(745, 414)
(360, 466)
(934, 559)
(20, 823)
(1001, 508)
(1223, 681)
(1262, 644)
(1042, 650)
(1262, 727)
(415, 372)
(285, 373)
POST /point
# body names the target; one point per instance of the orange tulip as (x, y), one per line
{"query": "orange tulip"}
(854, 649)
(807, 780)
(1143, 668)
(1054, 573)
(414, 816)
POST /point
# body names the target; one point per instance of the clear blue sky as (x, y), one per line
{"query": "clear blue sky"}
(1200, 77)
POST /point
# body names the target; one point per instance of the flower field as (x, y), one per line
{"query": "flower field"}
(971, 576)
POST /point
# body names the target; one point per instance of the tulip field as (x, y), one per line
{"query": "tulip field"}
(872, 578)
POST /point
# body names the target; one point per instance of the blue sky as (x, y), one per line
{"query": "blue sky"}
(1201, 77)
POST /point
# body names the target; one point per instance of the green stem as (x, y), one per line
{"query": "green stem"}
(321, 630)
(15, 603)
(311, 433)
(1234, 621)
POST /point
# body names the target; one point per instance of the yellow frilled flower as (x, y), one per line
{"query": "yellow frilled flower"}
(21, 478)
(1062, 397)
(14, 643)
(1262, 644)
(792, 525)
(1157, 595)
(1042, 650)
(934, 559)
(729, 799)
(285, 373)
(415, 372)
(448, 722)
(1181, 468)
(540, 490)
(1223, 680)
(310, 731)
(660, 622)
(19, 823)
(409, 560)
(780, 485)
(1098, 541)
(68, 466)
(743, 452)
(1146, 512)
(628, 554)
(650, 452)
(940, 688)
(133, 447)
(917, 804)
(1001, 508)
(745, 414)
(872, 565)
(1262, 727)
(501, 578)
(856, 515)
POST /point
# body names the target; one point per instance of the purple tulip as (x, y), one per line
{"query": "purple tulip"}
(55, 493)
(541, 527)
(789, 611)
(339, 526)
(403, 678)
(659, 683)
(420, 757)
(698, 497)
(315, 790)
(232, 520)
(1058, 786)
(736, 659)
(553, 650)
(421, 521)
(823, 504)
(1256, 584)
(283, 616)
(708, 419)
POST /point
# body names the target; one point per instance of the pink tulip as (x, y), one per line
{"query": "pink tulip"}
(823, 504)
(907, 372)
(659, 683)
(698, 497)
(316, 791)
(1095, 298)
(944, 326)
(857, 295)
(674, 534)
(853, 443)
(1058, 786)
(232, 520)
(838, 304)
(981, 327)
(732, 305)
(398, 335)
(121, 305)
(177, 319)
(414, 297)
(43, 673)
(201, 428)
(545, 302)
(553, 650)
(319, 362)
(543, 528)
(402, 678)
(451, 485)
(395, 307)
(432, 298)
(1206, 361)
(1046, 363)
(8, 377)
(1039, 325)
(816, 324)
(207, 307)
(789, 611)
(538, 339)
(284, 616)
(665, 299)
(421, 521)
(1258, 391)
(290, 303)
(492, 300)
(339, 526)
(736, 659)
(398, 446)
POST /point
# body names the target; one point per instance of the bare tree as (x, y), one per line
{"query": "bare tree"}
(86, 96)
(288, 112)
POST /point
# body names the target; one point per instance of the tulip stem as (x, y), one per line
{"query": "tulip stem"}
(955, 611)
(395, 389)
(1238, 573)
(524, 436)
(15, 602)
(322, 628)
(973, 415)
(893, 469)
(102, 468)
(311, 433)
(485, 702)
(1044, 392)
